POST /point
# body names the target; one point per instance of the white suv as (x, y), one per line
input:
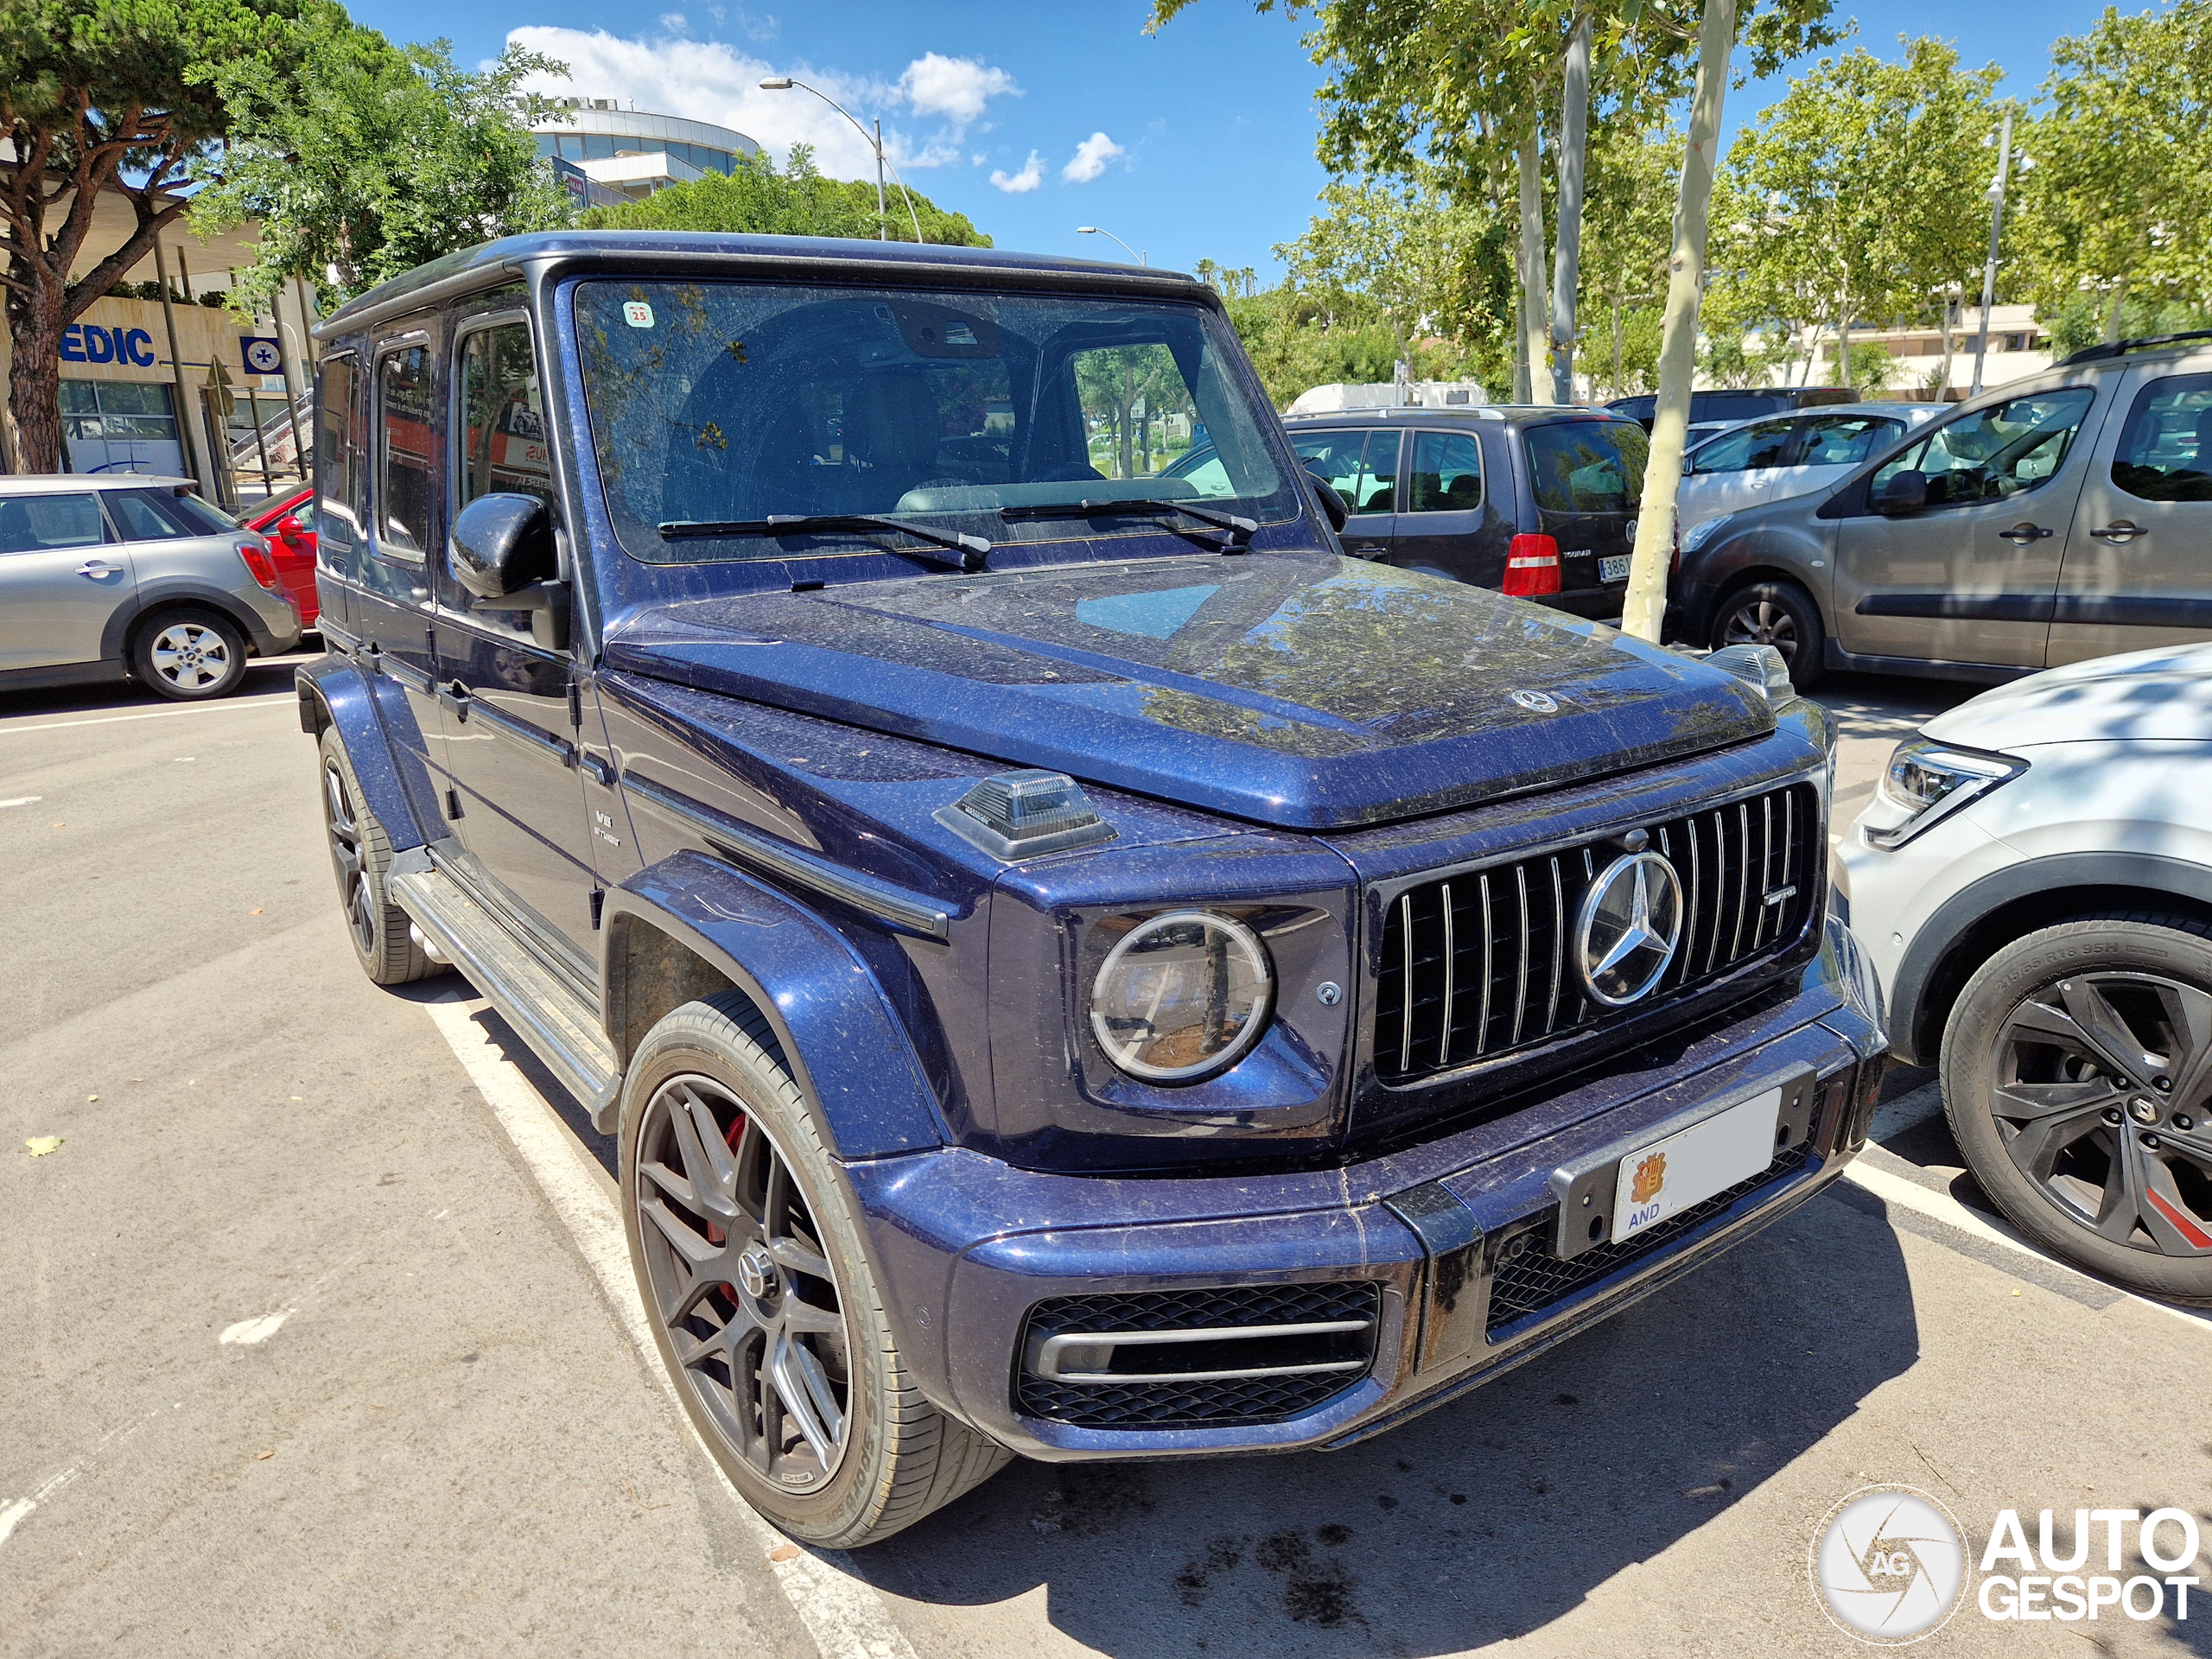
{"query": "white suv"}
(2033, 883)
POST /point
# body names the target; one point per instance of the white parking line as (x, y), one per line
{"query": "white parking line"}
(284, 701)
(843, 1614)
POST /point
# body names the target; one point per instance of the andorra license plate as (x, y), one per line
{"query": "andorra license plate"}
(1667, 1177)
(1614, 568)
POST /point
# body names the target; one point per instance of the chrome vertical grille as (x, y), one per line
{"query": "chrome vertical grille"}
(1482, 964)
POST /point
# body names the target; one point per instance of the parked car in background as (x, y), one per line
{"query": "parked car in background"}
(1712, 410)
(288, 522)
(2061, 517)
(1072, 966)
(1787, 455)
(107, 575)
(2033, 882)
(1539, 503)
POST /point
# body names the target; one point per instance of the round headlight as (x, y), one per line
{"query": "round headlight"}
(1180, 995)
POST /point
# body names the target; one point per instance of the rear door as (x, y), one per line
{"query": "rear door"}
(1970, 578)
(1362, 466)
(1736, 470)
(2138, 572)
(1444, 522)
(63, 573)
(1586, 477)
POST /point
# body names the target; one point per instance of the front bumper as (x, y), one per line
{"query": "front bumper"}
(965, 1246)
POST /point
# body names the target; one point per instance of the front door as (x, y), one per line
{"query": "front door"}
(2139, 566)
(391, 609)
(1439, 523)
(62, 574)
(512, 701)
(1363, 468)
(1970, 578)
(1736, 470)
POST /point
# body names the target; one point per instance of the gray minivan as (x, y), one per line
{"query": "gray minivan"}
(2065, 515)
(121, 573)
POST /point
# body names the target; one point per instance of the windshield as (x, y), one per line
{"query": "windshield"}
(1587, 466)
(721, 404)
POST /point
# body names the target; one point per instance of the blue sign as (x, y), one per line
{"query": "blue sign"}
(263, 355)
(87, 342)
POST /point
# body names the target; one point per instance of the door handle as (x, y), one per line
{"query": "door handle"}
(2120, 530)
(1370, 552)
(98, 568)
(455, 698)
(2021, 533)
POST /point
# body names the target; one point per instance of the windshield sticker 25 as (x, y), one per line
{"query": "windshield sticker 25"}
(638, 313)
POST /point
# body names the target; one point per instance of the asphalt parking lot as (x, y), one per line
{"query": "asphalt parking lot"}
(317, 1337)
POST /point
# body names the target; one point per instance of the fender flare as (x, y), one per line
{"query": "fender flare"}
(332, 692)
(1933, 942)
(841, 1039)
(169, 591)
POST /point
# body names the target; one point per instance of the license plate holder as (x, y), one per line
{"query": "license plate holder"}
(1600, 1185)
(1613, 567)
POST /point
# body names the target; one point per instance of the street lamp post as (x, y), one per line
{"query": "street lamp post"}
(785, 83)
(1094, 230)
(1996, 228)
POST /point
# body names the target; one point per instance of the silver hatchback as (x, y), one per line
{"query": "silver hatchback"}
(104, 576)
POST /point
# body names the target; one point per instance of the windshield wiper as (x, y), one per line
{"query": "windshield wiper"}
(972, 550)
(1242, 529)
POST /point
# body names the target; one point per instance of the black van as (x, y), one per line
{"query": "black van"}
(1539, 503)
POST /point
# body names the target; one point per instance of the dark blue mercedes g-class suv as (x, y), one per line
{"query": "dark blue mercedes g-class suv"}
(1076, 966)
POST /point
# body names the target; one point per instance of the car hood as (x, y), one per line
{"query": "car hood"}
(2164, 694)
(1302, 691)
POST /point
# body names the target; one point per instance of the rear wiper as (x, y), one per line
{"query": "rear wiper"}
(1242, 529)
(972, 550)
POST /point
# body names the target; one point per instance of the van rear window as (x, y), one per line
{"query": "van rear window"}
(1587, 466)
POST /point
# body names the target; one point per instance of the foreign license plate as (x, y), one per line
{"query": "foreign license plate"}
(1613, 567)
(1690, 1165)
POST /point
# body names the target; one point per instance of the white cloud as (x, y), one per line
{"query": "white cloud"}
(675, 22)
(955, 88)
(1090, 158)
(1022, 183)
(711, 80)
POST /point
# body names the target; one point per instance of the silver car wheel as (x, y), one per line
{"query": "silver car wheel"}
(1762, 622)
(191, 655)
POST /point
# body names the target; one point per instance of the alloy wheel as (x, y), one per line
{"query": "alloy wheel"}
(2099, 1085)
(1762, 622)
(354, 897)
(191, 655)
(741, 1284)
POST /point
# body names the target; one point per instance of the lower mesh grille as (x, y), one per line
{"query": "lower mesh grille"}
(1192, 1402)
(1533, 1278)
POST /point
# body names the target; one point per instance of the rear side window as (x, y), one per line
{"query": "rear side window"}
(158, 515)
(2165, 449)
(1447, 474)
(339, 422)
(1587, 466)
(1766, 444)
(1844, 440)
(1361, 466)
(403, 452)
(32, 523)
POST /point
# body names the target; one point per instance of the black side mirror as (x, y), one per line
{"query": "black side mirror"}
(1906, 492)
(502, 550)
(1332, 505)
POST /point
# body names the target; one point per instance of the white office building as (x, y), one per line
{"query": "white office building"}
(627, 155)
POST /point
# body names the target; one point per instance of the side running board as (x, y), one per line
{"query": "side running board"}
(559, 1025)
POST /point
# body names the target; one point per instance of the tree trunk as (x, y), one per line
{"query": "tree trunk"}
(1950, 341)
(1121, 421)
(1520, 338)
(1843, 345)
(2112, 317)
(1535, 308)
(1616, 342)
(1645, 609)
(1566, 276)
(35, 372)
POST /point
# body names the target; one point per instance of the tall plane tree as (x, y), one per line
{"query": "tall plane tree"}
(104, 98)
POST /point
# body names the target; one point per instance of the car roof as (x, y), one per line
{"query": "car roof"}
(1511, 414)
(693, 253)
(73, 483)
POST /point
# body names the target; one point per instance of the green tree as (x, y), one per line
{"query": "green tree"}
(374, 159)
(104, 98)
(759, 198)
(2120, 151)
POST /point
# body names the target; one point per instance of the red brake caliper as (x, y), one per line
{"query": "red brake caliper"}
(715, 1235)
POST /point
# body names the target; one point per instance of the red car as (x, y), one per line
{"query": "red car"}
(288, 521)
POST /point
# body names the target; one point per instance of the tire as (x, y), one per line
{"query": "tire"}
(801, 1285)
(2052, 1061)
(189, 656)
(360, 854)
(1777, 613)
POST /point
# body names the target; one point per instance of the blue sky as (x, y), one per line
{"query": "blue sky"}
(1032, 119)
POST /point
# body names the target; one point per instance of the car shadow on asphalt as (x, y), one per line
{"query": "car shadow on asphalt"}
(264, 676)
(1485, 1520)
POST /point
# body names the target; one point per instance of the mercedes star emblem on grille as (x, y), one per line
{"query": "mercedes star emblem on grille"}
(1630, 923)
